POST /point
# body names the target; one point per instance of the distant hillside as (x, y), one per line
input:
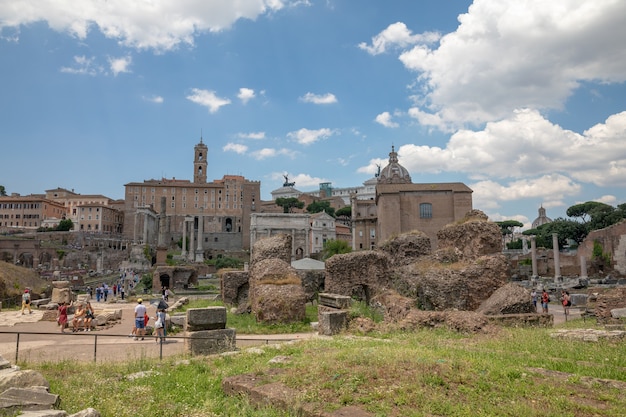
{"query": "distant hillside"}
(14, 279)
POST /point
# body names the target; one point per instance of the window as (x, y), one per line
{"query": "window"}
(426, 211)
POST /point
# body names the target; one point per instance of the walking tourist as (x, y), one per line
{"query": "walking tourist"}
(62, 315)
(26, 301)
(545, 299)
(140, 312)
(566, 301)
(159, 326)
(534, 297)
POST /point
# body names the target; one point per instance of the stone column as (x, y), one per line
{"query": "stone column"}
(184, 251)
(135, 228)
(199, 251)
(533, 255)
(145, 228)
(583, 268)
(192, 240)
(557, 265)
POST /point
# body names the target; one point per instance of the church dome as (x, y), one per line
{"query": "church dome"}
(394, 173)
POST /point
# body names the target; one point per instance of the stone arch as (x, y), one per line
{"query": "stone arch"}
(299, 253)
(228, 224)
(164, 279)
(362, 292)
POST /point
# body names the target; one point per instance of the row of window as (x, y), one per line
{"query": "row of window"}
(17, 216)
(15, 206)
(17, 224)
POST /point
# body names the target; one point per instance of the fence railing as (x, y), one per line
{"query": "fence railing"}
(240, 341)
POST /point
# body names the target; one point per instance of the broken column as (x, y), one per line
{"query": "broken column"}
(557, 264)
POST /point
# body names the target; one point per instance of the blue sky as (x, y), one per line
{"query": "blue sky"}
(522, 100)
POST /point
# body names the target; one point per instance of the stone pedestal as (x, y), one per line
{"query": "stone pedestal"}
(207, 342)
(207, 333)
(332, 322)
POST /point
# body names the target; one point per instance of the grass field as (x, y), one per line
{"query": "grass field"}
(506, 372)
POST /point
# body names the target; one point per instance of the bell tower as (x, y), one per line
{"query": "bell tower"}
(200, 163)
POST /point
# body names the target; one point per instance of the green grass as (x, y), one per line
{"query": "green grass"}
(509, 372)
(247, 324)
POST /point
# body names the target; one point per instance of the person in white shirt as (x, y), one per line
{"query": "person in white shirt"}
(140, 324)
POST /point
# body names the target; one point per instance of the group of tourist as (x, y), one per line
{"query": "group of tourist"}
(545, 300)
(82, 320)
(142, 319)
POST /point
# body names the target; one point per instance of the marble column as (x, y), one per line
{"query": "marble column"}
(145, 228)
(583, 267)
(192, 240)
(533, 255)
(557, 264)
(184, 251)
(135, 228)
(199, 251)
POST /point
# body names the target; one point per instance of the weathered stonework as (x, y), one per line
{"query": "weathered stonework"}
(474, 238)
(174, 276)
(278, 246)
(234, 287)
(358, 274)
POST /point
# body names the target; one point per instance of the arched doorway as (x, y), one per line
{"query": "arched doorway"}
(165, 280)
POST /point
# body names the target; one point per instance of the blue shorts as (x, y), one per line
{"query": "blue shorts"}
(139, 323)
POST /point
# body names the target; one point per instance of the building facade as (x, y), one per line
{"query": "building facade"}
(28, 213)
(298, 226)
(402, 206)
(211, 215)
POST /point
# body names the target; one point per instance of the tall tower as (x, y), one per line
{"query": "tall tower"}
(200, 163)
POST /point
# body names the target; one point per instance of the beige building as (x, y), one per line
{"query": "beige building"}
(94, 213)
(401, 206)
(208, 215)
(28, 213)
(322, 230)
(99, 219)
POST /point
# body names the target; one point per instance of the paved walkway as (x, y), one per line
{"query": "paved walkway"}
(107, 343)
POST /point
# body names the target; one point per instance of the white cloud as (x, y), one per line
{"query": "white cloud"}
(396, 35)
(327, 98)
(83, 66)
(159, 25)
(252, 135)
(208, 99)
(307, 137)
(511, 54)
(119, 65)
(155, 99)
(235, 147)
(271, 153)
(385, 119)
(245, 95)
(528, 144)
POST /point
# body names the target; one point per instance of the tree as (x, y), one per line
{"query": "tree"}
(565, 230)
(344, 211)
(3, 191)
(335, 247)
(319, 206)
(597, 215)
(507, 227)
(288, 204)
(65, 225)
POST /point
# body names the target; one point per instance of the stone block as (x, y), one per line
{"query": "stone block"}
(335, 300)
(209, 318)
(29, 399)
(618, 313)
(207, 342)
(332, 322)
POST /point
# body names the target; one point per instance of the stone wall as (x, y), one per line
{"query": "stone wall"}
(278, 246)
(358, 274)
(613, 241)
